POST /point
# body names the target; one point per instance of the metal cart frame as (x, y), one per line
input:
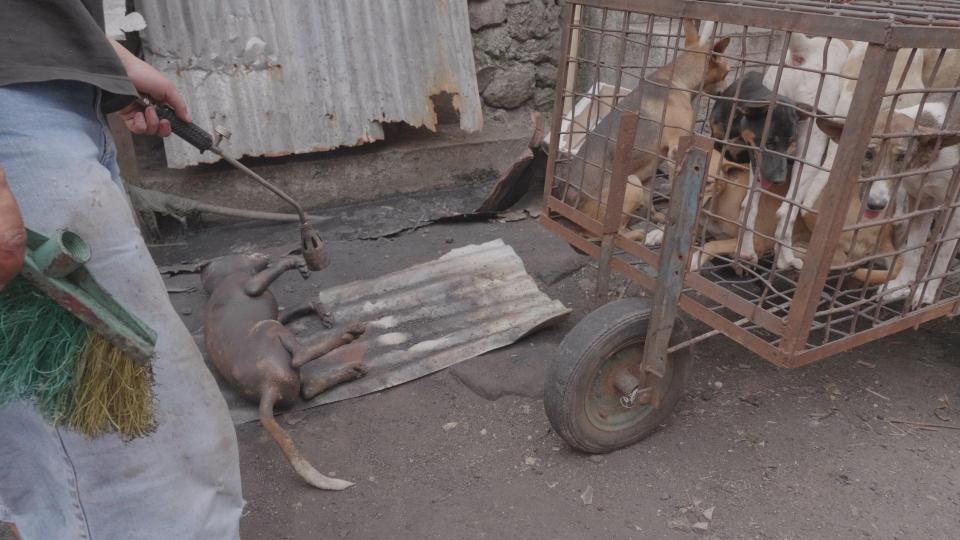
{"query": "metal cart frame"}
(885, 37)
(785, 334)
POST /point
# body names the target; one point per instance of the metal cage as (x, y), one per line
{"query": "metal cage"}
(632, 166)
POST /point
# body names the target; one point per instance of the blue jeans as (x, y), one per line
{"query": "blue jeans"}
(183, 481)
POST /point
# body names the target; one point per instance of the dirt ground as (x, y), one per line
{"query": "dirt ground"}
(752, 451)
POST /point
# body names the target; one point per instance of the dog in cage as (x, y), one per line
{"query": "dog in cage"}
(725, 188)
(813, 146)
(806, 77)
(666, 94)
(739, 123)
(867, 240)
(914, 152)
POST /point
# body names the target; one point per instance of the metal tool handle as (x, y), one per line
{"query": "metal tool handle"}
(199, 138)
(187, 131)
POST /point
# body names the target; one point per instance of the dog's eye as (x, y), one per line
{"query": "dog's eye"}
(869, 154)
(900, 157)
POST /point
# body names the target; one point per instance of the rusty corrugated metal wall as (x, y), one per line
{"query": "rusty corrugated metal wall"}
(295, 76)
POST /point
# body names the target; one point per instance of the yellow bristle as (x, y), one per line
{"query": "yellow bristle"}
(113, 392)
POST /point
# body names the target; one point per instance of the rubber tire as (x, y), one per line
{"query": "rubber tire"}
(599, 335)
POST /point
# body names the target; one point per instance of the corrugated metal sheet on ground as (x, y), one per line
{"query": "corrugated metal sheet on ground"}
(431, 316)
(294, 76)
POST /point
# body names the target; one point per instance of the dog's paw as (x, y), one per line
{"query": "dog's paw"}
(698, 260)
(654, 238)
(895, 291)
(357, 329)
(926, 298)
(748, 256)
(786, 260)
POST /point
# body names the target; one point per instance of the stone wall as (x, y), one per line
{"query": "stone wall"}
(515, 45)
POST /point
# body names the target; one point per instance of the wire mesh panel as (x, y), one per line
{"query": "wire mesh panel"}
(828, 212)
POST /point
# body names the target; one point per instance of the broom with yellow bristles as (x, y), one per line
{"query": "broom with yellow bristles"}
(69, 347)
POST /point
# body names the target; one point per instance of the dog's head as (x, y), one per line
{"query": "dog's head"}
(701, 56)
(906, 144)
(740, 116)
(213, 271)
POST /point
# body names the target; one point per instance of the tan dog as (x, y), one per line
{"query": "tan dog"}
(866, 242)
(671, 88)
(723, 196)
(911, 70)
(948, 73)
(931, 156)
(729, 187)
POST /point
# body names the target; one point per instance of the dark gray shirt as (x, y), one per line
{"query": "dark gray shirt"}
(46, 40)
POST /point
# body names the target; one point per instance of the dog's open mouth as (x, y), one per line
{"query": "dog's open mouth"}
(764, 182)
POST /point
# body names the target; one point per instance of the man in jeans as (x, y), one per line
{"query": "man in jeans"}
(59, 75)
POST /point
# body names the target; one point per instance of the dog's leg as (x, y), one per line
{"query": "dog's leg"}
(941, 263)
(310, 307)
(303, 353)
(787, 215)
(259, 282)
(786, 221)
(899, 287)
(748, 211)
(636, 235)
(710, 250)
(319, 376)
(879, 276)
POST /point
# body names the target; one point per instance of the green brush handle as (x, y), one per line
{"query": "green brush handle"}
(55, 265)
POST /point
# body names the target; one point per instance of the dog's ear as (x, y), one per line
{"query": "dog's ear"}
(805, 110)
(831, 126)
(721, 45)
(690, 34)
(930, 142)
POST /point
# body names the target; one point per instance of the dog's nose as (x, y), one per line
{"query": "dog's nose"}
(876, 204)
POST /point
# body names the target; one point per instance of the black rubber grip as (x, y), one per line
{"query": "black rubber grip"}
(189, 132)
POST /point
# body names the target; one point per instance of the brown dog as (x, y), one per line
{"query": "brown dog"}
(726, 187)
(671, 88)
(914, 144)
(727, 184)
(257, 355)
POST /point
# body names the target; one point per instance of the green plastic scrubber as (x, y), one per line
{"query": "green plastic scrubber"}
(66, 344)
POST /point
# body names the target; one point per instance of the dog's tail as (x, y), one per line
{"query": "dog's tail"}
(878, 276)
(300, 464)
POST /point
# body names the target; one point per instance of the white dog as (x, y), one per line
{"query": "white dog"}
(803, 87)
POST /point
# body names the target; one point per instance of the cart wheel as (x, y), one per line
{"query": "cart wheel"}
(580, 397)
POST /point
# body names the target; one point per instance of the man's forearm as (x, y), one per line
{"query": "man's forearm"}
(127, 58)
(13, 237)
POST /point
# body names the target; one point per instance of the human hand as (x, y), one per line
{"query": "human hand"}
(149, 82)
(13, 236)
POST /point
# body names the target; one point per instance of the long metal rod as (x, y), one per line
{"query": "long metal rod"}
(276, 191)
(702, 337)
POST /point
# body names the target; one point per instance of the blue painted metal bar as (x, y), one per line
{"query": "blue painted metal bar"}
(678, 236)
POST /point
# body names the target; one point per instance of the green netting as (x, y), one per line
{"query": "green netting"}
(39, 345)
